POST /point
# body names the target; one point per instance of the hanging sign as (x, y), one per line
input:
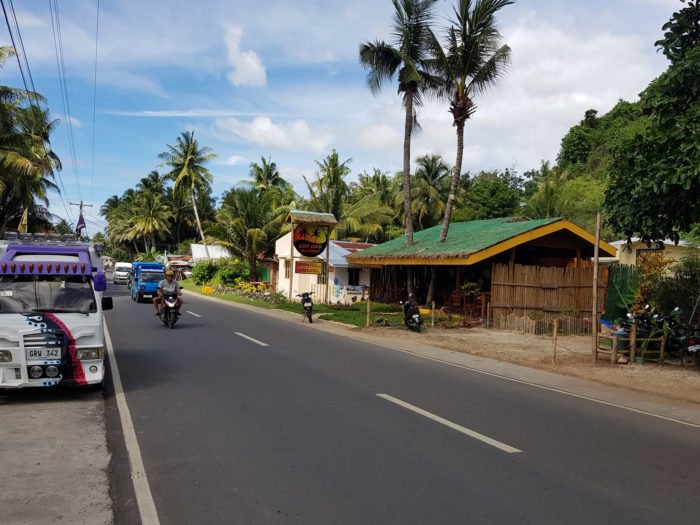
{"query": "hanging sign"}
(310, 267)
(310, 240)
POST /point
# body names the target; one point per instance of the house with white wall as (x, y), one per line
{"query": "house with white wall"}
(199, 253)
(348, 282)
(629, 253)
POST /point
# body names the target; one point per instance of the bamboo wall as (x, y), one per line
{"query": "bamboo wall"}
(528, 298)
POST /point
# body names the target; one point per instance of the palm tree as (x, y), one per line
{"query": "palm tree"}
(186, 160)
(547, 202)
(27, 162)
(149, 218)
(265, 176)
(246, 224)
(405, 58)
(431, 186)
(473, 61)
(329, 190)
(153, 182)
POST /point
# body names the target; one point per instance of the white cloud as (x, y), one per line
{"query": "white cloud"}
(295, 135)
(234, 160)
(248, 69)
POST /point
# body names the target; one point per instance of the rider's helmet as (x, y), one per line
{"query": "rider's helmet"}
(169, 273)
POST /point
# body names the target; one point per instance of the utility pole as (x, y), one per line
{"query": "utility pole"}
(80, 216)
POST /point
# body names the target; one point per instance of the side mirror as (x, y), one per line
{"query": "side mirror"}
(100, 282)
(107, 303)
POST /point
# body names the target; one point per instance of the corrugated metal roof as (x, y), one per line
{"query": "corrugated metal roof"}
(463, 239)
(311, 217)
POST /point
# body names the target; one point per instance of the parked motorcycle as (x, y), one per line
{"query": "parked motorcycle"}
(308, 305)
(411, 315)
(168, 309)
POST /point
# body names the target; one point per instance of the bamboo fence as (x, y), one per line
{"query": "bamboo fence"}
(528, 298)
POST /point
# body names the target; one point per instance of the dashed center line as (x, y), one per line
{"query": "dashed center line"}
(192, 313)
(450, 424)
(251, 339)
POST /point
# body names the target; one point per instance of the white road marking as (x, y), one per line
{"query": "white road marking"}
(144, 498)
(251, 339)
(192, 313)
(450, 424)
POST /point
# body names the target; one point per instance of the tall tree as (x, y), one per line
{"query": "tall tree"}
(329, 190)
(149, 217)
(246, 224)
(430, 187)
(406, 58)
(153, 182)
(658, 170)
(187, 160)
(472, 62)
(265, 176)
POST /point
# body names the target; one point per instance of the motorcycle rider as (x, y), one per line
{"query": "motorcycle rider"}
(169, 284)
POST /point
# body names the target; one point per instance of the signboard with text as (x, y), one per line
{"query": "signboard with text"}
(309, 267)
(310, 240)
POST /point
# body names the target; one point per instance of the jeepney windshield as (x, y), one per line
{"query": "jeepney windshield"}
(46, 293)
(151, 277)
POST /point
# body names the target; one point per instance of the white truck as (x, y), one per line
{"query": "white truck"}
(51, 304)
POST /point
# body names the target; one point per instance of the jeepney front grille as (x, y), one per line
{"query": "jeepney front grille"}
(44, 340)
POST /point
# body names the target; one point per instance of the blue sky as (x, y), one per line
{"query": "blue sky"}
(281, 79)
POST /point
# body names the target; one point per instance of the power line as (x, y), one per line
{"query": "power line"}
(33, 91)
(60, 64)
(94, 104)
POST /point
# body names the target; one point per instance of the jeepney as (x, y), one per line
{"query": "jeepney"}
(51, 304)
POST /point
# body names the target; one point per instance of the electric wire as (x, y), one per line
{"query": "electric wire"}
(33, 91)
(60, 64)
(94, 103)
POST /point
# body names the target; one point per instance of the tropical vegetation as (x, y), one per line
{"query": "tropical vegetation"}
(634, 163)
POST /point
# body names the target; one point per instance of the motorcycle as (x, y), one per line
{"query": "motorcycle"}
(168, 309)
(308, 305)
(411, 315)
(694, 349)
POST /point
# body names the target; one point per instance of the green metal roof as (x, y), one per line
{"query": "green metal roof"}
(463, 239)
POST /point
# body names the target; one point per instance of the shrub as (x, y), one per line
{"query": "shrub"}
(203, 272)
(681, 287)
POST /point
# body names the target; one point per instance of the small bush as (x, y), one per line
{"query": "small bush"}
(203, 272)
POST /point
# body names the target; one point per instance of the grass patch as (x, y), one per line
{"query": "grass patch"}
(355, 314)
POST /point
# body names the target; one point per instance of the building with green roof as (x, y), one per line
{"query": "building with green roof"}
(469, 254)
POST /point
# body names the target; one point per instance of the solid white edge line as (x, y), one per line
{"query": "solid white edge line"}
(192, 313)
(450, 424)
(251, 339)
(144, 498)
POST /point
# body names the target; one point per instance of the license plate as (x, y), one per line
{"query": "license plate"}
(43, 353)
(308, 305)
(147, 296)
(694, 348)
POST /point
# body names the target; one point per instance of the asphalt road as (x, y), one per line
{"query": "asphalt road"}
(245, 418)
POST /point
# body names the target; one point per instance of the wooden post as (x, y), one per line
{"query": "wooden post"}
(291, 262)
(613, 350)
(663, 347)
(489, 314)
(432, 320)
(328, 259)
(369, 309)
(554, 341)
(633, 341)
(613, 354)
(594, 307)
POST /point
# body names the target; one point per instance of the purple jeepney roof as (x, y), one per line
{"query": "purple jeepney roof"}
(45, 259)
